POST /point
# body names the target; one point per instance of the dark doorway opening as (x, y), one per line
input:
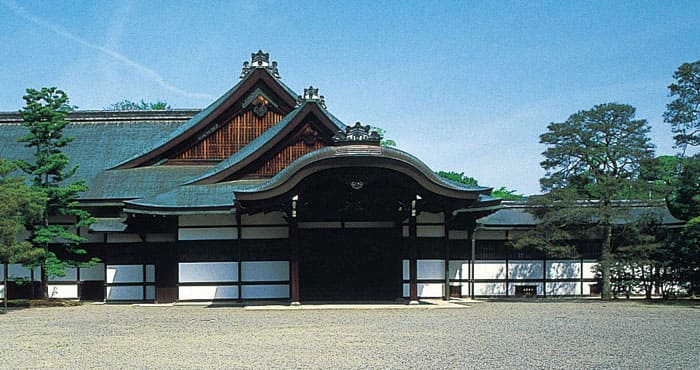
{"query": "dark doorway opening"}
(350, 264)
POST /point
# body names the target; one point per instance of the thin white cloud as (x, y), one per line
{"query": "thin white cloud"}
(150, 73)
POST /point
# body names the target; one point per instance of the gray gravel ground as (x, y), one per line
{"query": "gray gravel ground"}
(538, 334)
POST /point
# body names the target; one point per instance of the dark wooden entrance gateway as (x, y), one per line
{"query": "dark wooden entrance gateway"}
(352, 211)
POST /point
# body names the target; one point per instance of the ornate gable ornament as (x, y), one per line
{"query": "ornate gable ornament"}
(259, 60)
(357, 134)
(311, 94)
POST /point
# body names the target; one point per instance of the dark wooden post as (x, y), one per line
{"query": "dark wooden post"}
(294, 257)
(412, 262)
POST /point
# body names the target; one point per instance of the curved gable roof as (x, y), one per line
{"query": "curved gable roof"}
(263, 143)
(359, 156)
(209, 114)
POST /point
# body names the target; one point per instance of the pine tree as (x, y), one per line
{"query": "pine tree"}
(19, 204)
(44, 115)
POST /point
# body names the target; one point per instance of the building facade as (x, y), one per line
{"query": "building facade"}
(265, 194)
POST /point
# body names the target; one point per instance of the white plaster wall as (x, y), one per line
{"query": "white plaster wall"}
(207, 220)
(425, 290)
(265, 271)
(2, 272)
(188, 293)
(564, 288)
(563, 269)
(320, 225)
(430, 231)
(265, 291)
(490, 269)
(512, 285)
(150, 292)
(459, 269)
(588, 268)
(430, 269)
(123, 238)
(405, 272)
(274, 232)
(369, 224)
(458, 234)
(525, 269)
(429, 217)
(160, 237)
(197, 272)
(150, 273)
(124, 293)
(271, 218)
(124, 274)
(95, 272)
(490, 288)
(207, 233)
(18, 271)
(490, 235)
(71, 275)
(63, 291)
(405, 231)
(2, 291)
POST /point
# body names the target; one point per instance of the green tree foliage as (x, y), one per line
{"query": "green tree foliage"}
(685, 198)
(683, 113)
(19, 205)
(44, 116)
(590, 159)
(459, 177)
(382, 133)
(143, 105)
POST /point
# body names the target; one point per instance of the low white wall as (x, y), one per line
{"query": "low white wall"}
(265, 271)
(197, 272)
(124, 293)
(207, 233)
(265, 232)
(563, 269)
(564, 288)
(123, 238)
(459, 269)
(458, 234)
(426, 290)
(430, 231)
(490, 269)
(265, 291)
(63, 291)
(95, 272)
(187, 293)
(490, 288)
(18, 271)
(525, 269)
(588, 268)
(430, 269)
(71, 274)
(207, 220)
(270, 218)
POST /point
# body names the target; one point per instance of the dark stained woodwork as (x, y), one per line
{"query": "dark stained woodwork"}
(286, 156)
(231, 137)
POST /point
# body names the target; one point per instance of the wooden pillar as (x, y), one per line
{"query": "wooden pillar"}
(294, 261)
(412, 262)
(473, 264)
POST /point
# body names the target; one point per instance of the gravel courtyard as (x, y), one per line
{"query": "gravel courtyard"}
(538, 334)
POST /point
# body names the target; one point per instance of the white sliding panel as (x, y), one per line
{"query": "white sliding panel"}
(265, 271)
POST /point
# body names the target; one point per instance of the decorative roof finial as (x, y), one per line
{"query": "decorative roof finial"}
(311, 94)
(357, 134)
(259, 60)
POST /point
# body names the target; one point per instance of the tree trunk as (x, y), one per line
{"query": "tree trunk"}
(4, 287)
(605, 261)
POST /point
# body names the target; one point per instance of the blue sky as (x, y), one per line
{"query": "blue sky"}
(465, 86)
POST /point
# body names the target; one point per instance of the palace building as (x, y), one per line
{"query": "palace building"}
(265, 194)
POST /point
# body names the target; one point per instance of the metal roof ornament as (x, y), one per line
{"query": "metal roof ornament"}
(259, 60)
(311, 94)
(357, 134)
